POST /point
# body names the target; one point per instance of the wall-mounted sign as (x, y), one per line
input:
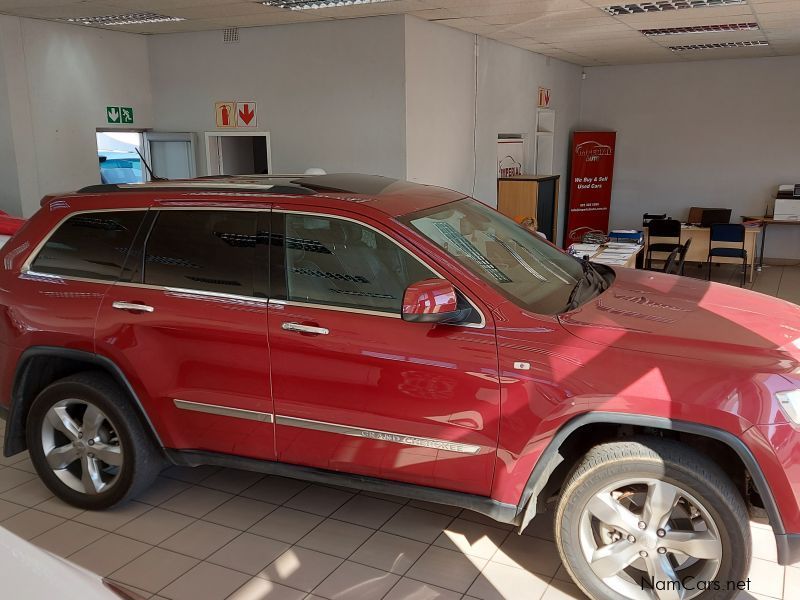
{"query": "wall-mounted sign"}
(225, 114)
(242, 114)
(246, 112)
(119, 115)
(590, 184)
(510, 156)
(544, 97)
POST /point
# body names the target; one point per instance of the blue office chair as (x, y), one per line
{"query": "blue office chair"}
(731, 233)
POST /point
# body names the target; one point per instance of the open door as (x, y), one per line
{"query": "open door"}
(171, 155)
(238, 153)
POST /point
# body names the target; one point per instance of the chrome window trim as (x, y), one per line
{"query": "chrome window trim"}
(479, 325)
(360, 311)
(225, 411)
(191, 292)
(377, 434)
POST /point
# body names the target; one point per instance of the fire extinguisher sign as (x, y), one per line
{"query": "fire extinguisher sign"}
(590, 184)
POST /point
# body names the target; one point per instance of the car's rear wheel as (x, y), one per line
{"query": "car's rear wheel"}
(652, 520)
(88, 444)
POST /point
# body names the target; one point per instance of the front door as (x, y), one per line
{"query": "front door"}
(356, 388)
(189, 327)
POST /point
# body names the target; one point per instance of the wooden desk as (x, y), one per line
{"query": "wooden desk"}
(764, 222)
(698, 251)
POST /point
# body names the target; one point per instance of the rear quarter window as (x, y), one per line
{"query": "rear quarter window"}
(90, 245)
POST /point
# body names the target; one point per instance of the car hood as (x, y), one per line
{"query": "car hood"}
(681, 316)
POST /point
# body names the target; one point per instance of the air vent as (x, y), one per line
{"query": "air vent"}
(315, 4)
(701, 29)
(230, 35)
(719, 45)
(126, 19)
(665, 5)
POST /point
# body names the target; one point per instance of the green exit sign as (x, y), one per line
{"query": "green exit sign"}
(119, 115)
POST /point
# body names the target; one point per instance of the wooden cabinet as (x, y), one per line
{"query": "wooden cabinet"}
(531, 196)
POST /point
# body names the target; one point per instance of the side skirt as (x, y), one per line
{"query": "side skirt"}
(499, 511)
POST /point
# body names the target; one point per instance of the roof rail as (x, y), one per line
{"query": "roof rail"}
(205, 185)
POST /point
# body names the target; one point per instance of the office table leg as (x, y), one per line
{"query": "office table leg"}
(763, 240)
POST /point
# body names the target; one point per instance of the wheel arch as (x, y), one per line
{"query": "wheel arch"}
(38, 367)
(552, 467)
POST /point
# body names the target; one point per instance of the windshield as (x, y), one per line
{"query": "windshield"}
(518, 263)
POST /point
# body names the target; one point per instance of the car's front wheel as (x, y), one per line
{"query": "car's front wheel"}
(651, 519)
(88, 444)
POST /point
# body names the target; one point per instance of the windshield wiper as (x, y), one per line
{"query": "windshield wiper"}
(591, 277)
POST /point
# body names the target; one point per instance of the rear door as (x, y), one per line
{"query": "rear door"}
(356, 388)
(189, 328)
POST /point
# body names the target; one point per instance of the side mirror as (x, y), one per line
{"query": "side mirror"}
(431, 301)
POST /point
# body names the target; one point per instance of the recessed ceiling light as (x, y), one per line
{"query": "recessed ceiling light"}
(665, 5)
(314, 4)
(719, 45)
(701, 29)
(128, 19)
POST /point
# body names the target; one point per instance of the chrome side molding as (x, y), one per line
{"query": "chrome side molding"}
(225, 411)
(376, 434)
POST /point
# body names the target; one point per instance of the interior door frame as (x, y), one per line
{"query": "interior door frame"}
(238, 133)
(170, 136)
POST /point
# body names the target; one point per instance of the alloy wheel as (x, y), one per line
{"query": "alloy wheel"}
(81, 446)
(645, 537)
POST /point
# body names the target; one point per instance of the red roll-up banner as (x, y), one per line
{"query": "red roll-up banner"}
(590, 184)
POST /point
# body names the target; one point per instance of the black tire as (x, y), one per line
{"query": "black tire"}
(665, 461)
(141, 459)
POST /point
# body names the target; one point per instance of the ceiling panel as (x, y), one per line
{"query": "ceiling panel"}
(577, 31)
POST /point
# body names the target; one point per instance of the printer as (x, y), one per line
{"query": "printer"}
(787, 203)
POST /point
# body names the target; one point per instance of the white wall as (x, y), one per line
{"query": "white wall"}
(713, 133)
(440, 105)
(331, 94)
(441, 111)
(9, 181)
(60, 78)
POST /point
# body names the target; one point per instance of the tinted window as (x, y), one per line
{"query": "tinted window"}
(337, 262)
(204, 250)
(91, 245)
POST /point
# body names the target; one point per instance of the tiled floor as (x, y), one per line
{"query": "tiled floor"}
(780, 281)
(212, 534)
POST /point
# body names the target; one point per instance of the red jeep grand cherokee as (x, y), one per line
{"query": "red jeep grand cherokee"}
(389, 336)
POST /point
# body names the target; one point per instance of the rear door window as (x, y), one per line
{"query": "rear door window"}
(205, 250)
(90, 245)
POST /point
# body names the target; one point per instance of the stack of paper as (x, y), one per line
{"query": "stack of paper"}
(581, 249)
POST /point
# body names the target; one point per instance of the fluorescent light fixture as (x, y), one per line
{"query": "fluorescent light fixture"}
(126, 19)
(718, 45)
(315, 4)
(665, 5)
(701, 29)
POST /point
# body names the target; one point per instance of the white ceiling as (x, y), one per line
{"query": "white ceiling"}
(577, 31)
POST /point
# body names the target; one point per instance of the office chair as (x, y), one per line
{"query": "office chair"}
(682, 255)
(731, 233)
(671, 266)
(662, 228)
(647, 217)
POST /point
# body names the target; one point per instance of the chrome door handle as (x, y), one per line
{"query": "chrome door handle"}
(305, 328)
(132, 306)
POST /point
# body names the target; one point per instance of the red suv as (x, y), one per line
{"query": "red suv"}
(389, 336)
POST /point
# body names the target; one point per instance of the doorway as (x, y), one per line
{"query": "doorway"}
(118, 158)
(238, 153)
(169, 155)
